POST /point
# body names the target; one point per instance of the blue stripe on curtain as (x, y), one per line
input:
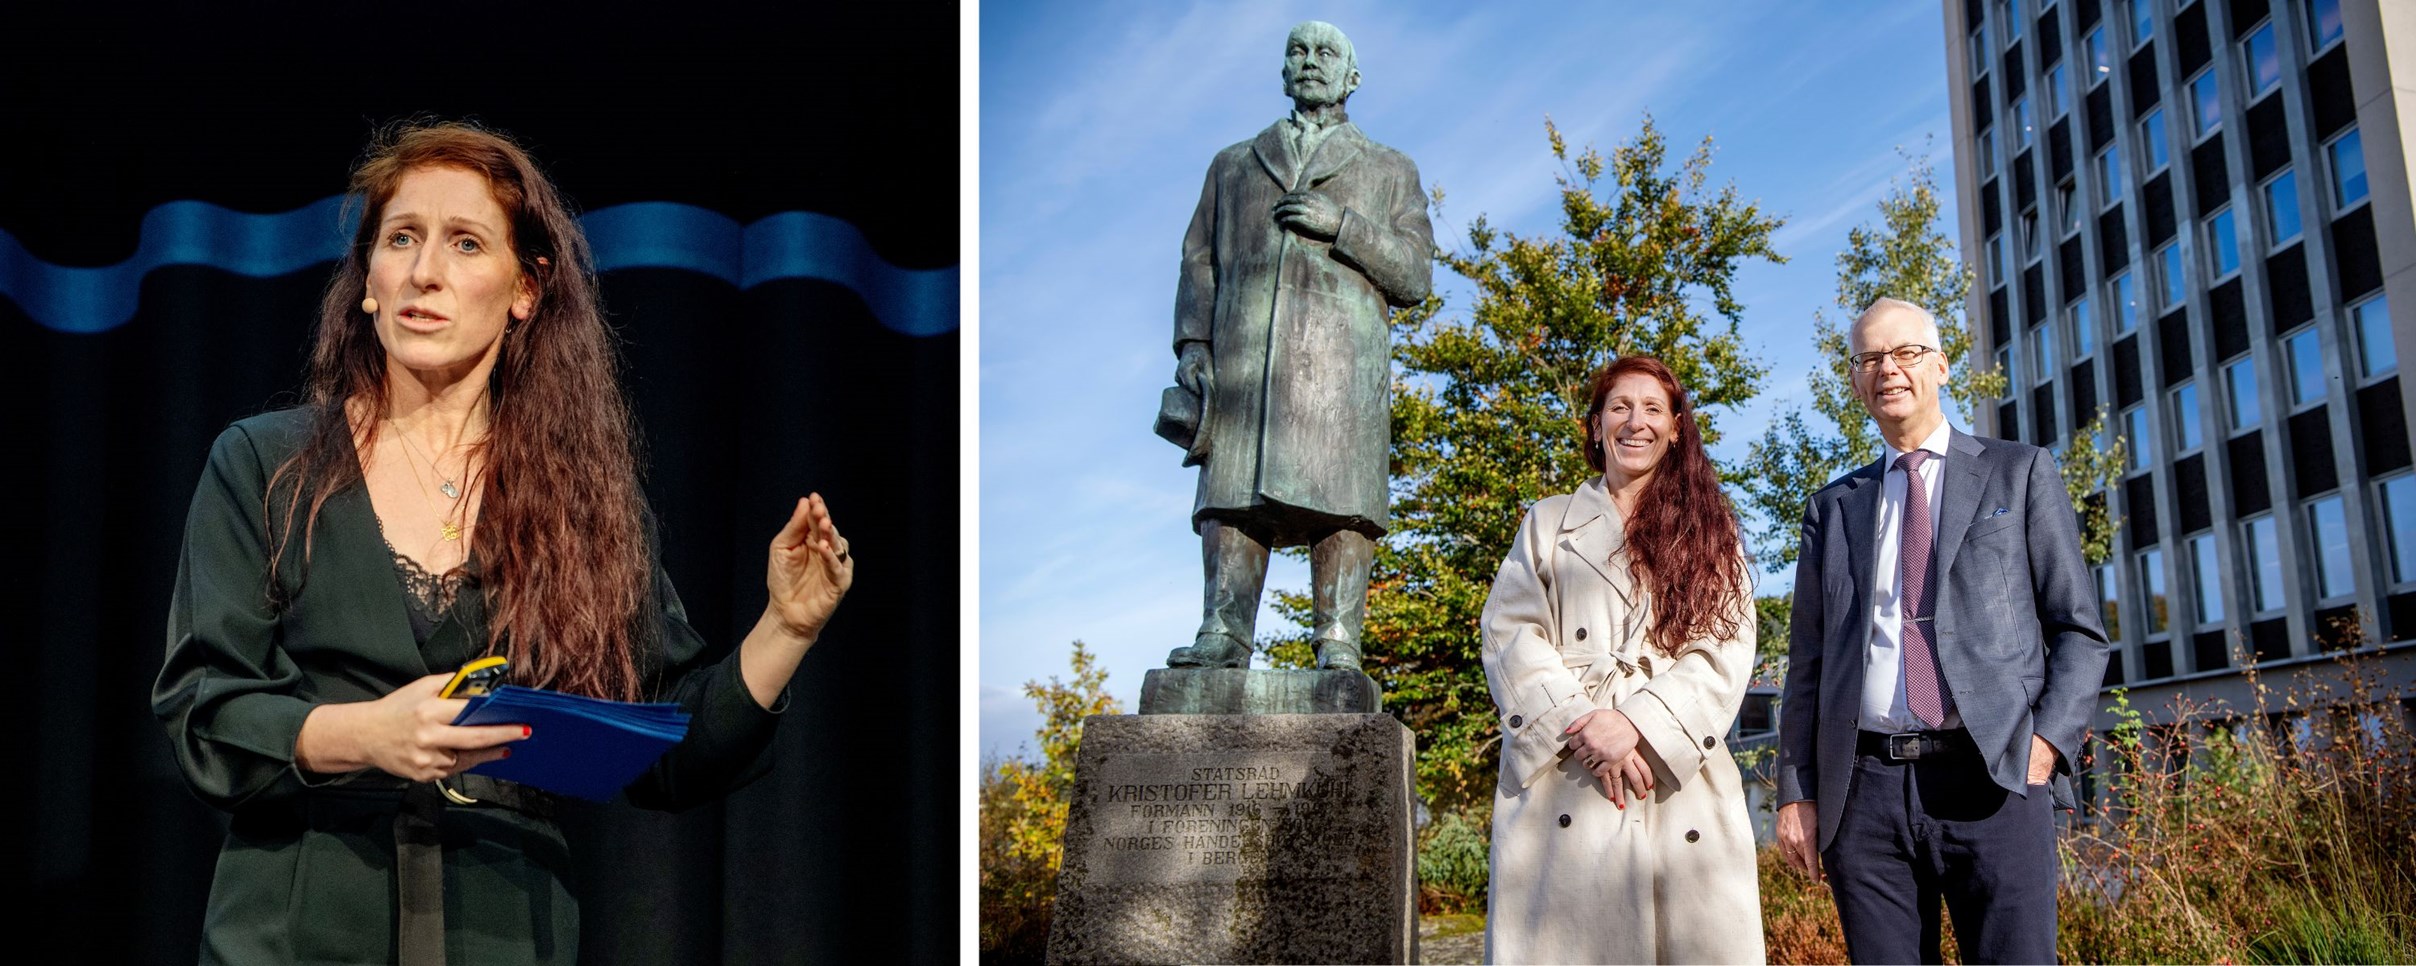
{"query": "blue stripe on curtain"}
(647, 234)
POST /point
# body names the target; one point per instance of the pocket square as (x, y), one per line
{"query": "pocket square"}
(2001, 511)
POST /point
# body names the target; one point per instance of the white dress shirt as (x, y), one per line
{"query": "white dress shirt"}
(1883, 706)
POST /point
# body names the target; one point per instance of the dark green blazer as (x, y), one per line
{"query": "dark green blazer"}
(307, 871)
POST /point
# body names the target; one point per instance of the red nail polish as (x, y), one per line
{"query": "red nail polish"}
(524, 731)
(507, 753)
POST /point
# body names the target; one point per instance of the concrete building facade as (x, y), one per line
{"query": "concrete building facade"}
(2194, 216)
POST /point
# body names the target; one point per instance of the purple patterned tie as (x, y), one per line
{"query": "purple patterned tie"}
(1924, 687)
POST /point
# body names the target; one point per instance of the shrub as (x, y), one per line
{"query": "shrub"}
(1454, 860)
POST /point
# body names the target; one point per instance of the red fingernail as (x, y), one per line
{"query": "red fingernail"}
(507, 753)
(524, 731)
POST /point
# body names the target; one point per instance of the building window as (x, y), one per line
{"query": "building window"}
(2376, 353)
(2005, 365)
(2222, 246)
(2059, 92)
(2067, 209)
(2138, 445)
(2306, 367)
(2143, 21)
(1988, 151)
(2077, 334)
(2348, 170)
(2169, 271)
(2240, 378)
(2323, 22)
(1996, 260)
(1980, 50)
(2126, 303)
(2328, 527)
(2101, 60)
(2151, 137)
(2010, 14)
(2264, 62)
(2206, 108)
(2399, 523)
(2109, 175)
(2208, 576)
(2108, 599)
(2042, 353)
(2186, 436)
(2151, 586)
(2265, 564)
(2030, 236)
(2021, 123)
(2282, 208)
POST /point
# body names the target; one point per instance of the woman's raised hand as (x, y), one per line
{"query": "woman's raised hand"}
(810, 571)
(409, 734)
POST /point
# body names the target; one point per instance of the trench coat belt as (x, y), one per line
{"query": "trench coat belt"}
(419, 858)
(1598, 666)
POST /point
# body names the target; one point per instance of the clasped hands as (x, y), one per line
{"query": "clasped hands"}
(1608, 745)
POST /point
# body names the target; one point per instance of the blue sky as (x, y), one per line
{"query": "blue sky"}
(1097, 124)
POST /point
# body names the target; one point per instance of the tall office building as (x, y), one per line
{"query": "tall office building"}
(2194, 215)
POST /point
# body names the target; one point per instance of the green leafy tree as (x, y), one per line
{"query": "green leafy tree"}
(1488, 410)
(1905, 256)
(1023, 807)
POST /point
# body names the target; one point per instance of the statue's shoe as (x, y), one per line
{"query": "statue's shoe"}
(1211, 650)
(1337, 655)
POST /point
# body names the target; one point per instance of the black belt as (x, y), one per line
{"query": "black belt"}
(419, 857)
(1913, 745)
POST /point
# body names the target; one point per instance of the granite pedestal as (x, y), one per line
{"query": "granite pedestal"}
(1260, 838)
(1205, 690)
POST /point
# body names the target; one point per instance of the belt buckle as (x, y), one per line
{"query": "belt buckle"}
(1905, 746)
(457, 798)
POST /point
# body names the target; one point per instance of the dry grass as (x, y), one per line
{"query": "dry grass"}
(2284, 832)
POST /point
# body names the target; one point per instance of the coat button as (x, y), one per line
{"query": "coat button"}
(1515, 721)
(1692, 835)
(1708, 742)
(1564, 820)
(1581, 633)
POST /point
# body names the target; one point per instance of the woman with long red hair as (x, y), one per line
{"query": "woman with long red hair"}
(1618, 642)
(461, 480)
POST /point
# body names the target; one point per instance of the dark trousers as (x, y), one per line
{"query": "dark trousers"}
(1916, 831)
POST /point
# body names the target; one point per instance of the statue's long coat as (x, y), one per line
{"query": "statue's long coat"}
(1297, 425)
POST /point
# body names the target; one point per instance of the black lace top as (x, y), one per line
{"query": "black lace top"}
(427, 597)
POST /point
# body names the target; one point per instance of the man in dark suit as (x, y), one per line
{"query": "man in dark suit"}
(1944, 653)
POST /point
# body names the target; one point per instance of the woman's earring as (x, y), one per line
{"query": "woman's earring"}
(369, 304)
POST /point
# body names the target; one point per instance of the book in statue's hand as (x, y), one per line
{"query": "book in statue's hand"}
(584, 747)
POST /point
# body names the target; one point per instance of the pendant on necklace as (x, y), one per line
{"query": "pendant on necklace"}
(449, 491)
(452, 530)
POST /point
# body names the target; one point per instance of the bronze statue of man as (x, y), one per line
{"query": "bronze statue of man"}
(1305, 238)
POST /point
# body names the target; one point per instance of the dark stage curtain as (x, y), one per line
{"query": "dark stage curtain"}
(810, 345)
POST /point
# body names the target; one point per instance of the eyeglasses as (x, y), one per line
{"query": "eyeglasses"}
(1906, 356)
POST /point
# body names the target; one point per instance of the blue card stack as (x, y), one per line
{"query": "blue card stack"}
(585, 747)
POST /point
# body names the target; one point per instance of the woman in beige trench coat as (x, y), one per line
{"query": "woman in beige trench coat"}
(1618, 641)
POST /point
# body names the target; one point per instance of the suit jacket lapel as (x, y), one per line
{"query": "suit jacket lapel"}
(1339, 148)
(1860, 504)
(1274, 153)
(1593, 531)
(1965, 481)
